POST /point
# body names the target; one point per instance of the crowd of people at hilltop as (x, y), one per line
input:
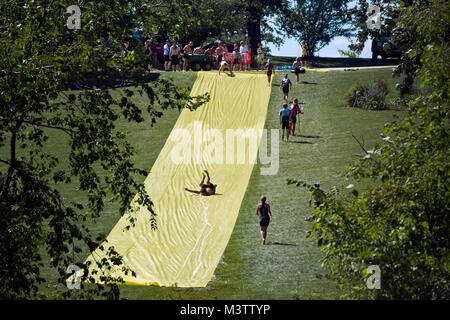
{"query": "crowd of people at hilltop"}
(238, 56)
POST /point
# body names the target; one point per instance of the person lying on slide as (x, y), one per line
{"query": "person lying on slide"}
(207, 189)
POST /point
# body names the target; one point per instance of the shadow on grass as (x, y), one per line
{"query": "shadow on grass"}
(303, 142)
(306, 82)
(282, 244)
(312, 137)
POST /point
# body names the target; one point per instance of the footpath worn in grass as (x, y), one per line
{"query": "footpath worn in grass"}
(289, 266)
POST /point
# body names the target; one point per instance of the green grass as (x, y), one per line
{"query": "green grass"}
(319, 62)
(289, 266)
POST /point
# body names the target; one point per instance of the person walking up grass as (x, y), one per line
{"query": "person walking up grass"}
(295, 110)
(265, 217)
(285, 115)
(269, 68)
(286, 84)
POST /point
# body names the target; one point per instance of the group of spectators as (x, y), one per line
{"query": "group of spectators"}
(240, 59)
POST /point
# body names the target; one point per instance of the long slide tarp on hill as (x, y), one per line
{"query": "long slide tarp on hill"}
(192, 230)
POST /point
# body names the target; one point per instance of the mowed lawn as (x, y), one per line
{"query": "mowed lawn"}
(289, 265)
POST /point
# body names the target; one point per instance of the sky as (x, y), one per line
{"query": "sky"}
(292, 48)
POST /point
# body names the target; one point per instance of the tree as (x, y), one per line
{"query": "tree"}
(401, 222)
(257, 17)
(389, 11)
(198, 20)
(423, 35)
(39, 56)
(317, 22)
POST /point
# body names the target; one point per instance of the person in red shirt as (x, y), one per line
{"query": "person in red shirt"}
(285, 86)
(269, 68)
(295, 110)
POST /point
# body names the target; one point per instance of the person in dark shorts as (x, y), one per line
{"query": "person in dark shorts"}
(148, 55)
(269, 68)
(318, 195)
(207, 189)
(265, 217)
(236, 57)
(296, 66)
(167, 55)
(305, 50)
(295, 110)
(174, 54)
(285, 86)
(188, 50)
(285, 115)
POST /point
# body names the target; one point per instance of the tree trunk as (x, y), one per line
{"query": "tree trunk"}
(253, 29)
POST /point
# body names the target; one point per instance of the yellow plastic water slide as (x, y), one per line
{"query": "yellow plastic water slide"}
(193, 230)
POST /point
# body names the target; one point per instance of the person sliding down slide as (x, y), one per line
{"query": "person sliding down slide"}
(207, 189)
(224, 66)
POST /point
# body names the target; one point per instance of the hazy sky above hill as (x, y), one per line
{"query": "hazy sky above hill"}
(291, 48)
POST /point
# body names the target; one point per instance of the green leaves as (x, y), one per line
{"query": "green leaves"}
(316, 22)
(39, 58)
(401, 221)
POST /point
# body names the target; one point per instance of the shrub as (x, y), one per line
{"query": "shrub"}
(369, 97)
(355, 94)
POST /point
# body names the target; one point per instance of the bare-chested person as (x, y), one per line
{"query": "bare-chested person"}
(187, 52)
(174, 55)
(207, 189)
(219, 52)
(199, 50)
(211, 53)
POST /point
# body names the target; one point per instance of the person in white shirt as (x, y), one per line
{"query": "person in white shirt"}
(242, 49)
(167, 55)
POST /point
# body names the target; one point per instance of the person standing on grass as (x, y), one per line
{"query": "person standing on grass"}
(295, 110)
(269, 69)
(174, 54)
(149, 54)
(265, 217)
(188, 50)
(296, 66)
(167, 56)
(242, 51)
(236, 57)
(285, 86)
(260, 57)
(285, 115)
(305, 50)
(318, 195)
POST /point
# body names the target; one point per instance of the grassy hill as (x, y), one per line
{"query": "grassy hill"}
(319, 62)
(289, 266)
